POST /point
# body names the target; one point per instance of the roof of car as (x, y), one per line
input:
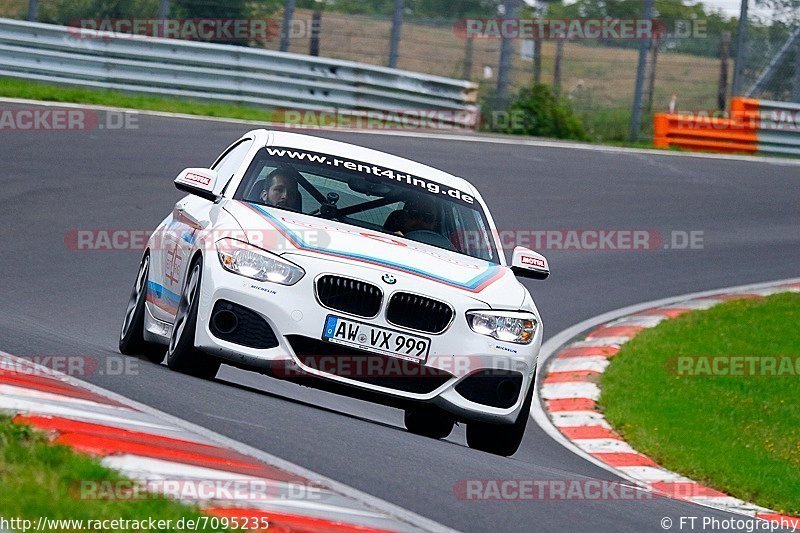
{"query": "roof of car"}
(367, 155)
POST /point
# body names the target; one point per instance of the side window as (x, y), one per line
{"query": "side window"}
(231, 161)
(470, 235)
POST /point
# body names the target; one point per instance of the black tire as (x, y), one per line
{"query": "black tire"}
(131, 336)
(429, 422)
(500, 439)
(182, 356)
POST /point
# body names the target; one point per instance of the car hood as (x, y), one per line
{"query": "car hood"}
(285, 232)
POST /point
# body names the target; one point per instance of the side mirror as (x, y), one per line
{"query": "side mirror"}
(198, 181)
(526, 263)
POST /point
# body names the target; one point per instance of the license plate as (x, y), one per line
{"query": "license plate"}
(375, 339)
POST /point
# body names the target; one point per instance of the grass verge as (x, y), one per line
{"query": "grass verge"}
(38, 479)
(13, 88)
(738, 434)
(612, 132)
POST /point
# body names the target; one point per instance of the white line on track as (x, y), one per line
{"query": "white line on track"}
(463, 137)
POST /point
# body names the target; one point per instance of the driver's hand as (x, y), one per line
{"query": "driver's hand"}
(399, 233)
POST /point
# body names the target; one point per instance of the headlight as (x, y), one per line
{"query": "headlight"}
(509, 326)
(249, 261)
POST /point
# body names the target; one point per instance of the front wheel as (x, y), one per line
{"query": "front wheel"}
(131, 337)
(500, 439)
(182, 355)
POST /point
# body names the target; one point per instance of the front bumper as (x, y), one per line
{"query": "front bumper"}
(292, 312)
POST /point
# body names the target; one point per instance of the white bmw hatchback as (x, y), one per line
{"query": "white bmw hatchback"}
(348, 269)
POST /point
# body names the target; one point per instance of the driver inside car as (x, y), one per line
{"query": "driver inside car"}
(418, 214)
(280, 188)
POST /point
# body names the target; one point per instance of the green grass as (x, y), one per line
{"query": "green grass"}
(740, 434)
(40, 479)
(605, 130)
(13, 88)
(604, 127)
(611, 126)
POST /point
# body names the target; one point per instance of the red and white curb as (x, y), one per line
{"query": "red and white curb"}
(569, 390)
(158, 450)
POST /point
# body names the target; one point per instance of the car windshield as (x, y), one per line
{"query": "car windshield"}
(368, 196)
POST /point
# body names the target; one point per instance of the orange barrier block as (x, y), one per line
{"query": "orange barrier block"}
(742, 106)
(707, 134)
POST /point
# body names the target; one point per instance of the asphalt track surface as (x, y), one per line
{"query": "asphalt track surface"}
(57, 301)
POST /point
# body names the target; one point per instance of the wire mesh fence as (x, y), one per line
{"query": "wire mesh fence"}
(689, 72)
(772, 61)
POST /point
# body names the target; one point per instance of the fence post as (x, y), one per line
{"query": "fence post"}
(557, 67)
(316, 22)
(510, 12)
(163, 13)
(286, 24)
(33, 10)
(636, 114)
(796, 80)
(541, 12)
(163, 9)
(738, 67)
(467, 72)
(724, 53)
(397, 24)
(537, 61)
(651, 81)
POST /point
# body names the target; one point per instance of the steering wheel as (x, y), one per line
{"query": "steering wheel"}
(433, 238)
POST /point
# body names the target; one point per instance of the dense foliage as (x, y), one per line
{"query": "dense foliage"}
(536, 110)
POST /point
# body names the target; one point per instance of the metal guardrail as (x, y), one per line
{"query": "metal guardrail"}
(754, 126)
(223, 73)
(778, 126)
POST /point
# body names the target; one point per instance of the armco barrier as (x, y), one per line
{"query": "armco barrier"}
(223, 73)
(754, 126)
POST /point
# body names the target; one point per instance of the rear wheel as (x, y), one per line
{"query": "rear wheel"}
(182, 355)
(500, 439)
(429, 422)
(131, 337)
